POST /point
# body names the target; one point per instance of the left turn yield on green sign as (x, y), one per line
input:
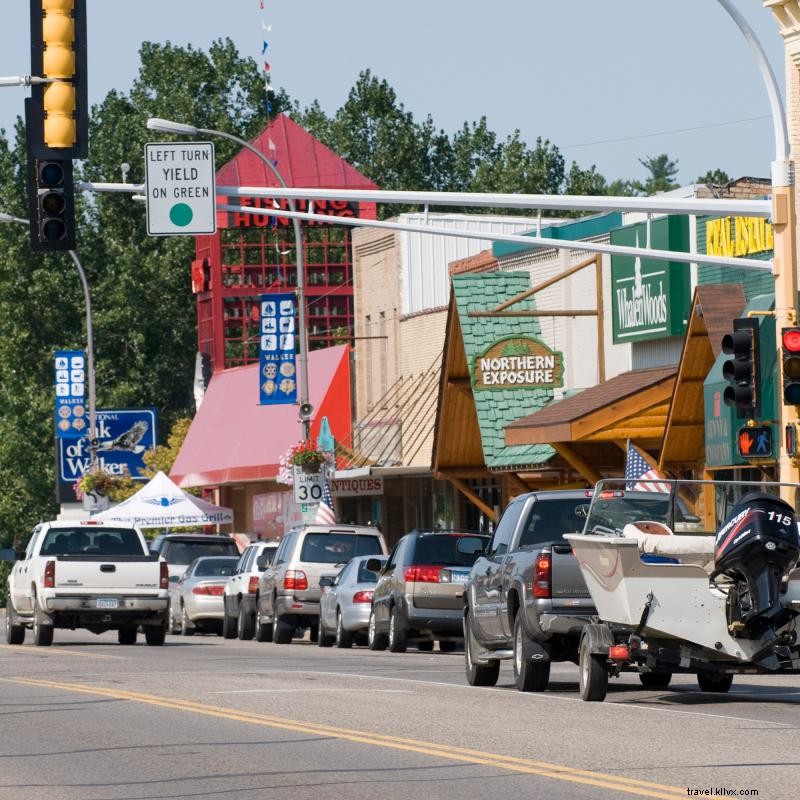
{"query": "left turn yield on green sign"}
(181, 192)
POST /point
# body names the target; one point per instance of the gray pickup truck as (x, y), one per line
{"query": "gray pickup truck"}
(526, 598)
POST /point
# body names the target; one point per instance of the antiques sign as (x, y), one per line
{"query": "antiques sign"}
(518, 362)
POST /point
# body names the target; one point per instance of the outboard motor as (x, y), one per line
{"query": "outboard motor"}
(758, 544)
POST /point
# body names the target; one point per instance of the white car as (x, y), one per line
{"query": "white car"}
(241, 590)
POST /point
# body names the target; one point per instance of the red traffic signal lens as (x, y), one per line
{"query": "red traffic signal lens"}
(791, 340)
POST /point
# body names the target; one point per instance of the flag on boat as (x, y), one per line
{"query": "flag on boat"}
(647, 478)
(325, 515)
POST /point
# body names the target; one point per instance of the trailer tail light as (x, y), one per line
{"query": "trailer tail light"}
(252, 584)
(619, 652)
(50, 575)
(216, 590)
(363, 597)
(296, 580)
(423, 574)
(163, 582)
(542, 573)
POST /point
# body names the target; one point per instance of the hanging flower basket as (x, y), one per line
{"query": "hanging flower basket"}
(311, 467)
(308, 457)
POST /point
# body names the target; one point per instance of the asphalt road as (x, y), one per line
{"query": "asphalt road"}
(88, 719)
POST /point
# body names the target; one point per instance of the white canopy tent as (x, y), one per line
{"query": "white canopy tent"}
(161, 504)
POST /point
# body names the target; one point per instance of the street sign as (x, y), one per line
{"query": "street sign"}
(180, 186)
(70, 383)
(277, 348)
(755, 442)
(307, 486)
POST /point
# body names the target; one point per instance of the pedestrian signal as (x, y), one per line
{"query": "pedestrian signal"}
(755, 442)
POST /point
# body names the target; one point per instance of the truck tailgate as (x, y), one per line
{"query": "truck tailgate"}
(83, 574)
(567, 583)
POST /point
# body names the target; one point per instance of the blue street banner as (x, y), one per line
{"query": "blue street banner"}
(123, 435)
(277, 344)
(71, 413)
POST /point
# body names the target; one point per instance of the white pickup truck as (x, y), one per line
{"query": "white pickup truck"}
(93, 575)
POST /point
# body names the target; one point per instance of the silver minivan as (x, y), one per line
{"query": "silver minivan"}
(289, 590)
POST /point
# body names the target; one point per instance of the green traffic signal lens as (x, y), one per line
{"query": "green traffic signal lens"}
(791, 394)
(54, 230)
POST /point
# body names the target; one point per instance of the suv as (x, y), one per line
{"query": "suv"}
(420, 590)
(180, 549)
(289, 590)
(526, 598)
(241, 590)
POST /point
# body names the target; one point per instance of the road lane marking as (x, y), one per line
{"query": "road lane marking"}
(306, 691)
(511, 763)
(51, 651)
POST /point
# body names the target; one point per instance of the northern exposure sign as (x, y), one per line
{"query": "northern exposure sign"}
(518, 362)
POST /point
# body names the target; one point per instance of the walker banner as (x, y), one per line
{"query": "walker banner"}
(72, 414)
(277, 367)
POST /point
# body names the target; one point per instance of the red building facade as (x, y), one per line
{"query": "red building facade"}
(254, 254)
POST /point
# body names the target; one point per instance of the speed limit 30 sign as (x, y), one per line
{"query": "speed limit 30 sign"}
(307, 486)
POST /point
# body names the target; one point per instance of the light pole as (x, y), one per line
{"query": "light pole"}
(783, 222)
(92, 433)
(168, 126)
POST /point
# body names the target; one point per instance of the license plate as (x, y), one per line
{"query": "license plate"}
(107, 602)
(459, 577)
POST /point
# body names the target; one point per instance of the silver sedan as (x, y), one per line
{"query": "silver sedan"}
(346, 602)
(197, 599)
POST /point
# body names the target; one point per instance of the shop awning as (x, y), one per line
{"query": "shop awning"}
(233, 439)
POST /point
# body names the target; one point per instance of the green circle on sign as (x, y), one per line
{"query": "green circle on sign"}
(181, 215)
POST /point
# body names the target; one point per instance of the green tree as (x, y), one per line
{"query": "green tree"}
(662, 171)
(715, 177)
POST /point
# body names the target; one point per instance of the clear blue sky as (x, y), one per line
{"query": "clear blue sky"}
(577, 73)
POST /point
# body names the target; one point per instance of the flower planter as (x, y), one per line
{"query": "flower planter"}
(311, 467)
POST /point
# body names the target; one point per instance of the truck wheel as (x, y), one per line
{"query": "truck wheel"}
(711, 682)
(42, 633)
(15, 634)
(127, 635)
(530, 676)
(425, 646)
(155, 635)
(593, 673)
(655, 680)
(398, 635)
(245, 627)
(375, 640)
(186, 629)
(263, 633)
(282, 630)
(447, 646)
(344, 639)
(477, 674)
(228, 623)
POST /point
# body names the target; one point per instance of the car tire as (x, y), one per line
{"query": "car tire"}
(375, 640)
(529, 676)
(477, 674)
(655, 680)
(155, 635)
(398, 635)
(173, 625)
(15, 634)
(344, 639)
(263, 633)
(185, 629)
(42, 632)
(425, 646)
(127, 635)
(324, 639)
(313, 632)
(282, 630)
(593, 673)
(447, 646)
(245, 627)
(228, 623)
(711, 682)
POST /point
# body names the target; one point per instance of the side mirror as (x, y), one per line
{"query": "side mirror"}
(470, 545)
(325, 580)
(374, 565)
(174, 578)
(9, 555)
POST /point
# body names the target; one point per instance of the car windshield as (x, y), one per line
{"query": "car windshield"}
(367, 575)
(80, 541)
(186, 552)
(551, 518)
(214, 567)
(443, 550)
(337, 547)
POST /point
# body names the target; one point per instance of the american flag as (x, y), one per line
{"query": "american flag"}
(637, 469)
(325, 515)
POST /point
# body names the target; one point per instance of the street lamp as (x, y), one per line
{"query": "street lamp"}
(168, 126)
(92, 433)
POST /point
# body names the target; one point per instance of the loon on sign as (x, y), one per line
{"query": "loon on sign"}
(518, 362)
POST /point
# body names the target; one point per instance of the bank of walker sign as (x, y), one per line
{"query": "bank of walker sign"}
(518, 362)
(650, 298)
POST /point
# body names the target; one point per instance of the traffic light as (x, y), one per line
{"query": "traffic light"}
(743, 369)
(51, 201)
(59, 110)
(790, 350)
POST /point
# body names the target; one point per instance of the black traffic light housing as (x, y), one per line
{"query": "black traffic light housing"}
(790, 357)
(743, 370)
(51, 204)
